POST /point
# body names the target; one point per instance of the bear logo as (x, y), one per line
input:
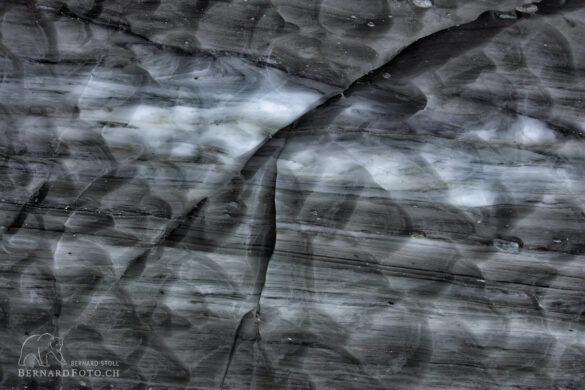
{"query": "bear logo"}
(37, 348)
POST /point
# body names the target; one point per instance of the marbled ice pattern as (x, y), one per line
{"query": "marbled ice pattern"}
(248, 194)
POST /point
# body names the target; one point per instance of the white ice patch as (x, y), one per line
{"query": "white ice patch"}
(396, 171)
(422, 3)
(183, 150)
(525, 132)
(236, 128)
(471, 197)
(534, 132)
(274, 109)
(330, 164)
(219, 113)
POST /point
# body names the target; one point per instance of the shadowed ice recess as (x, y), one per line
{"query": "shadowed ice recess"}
(283, 194)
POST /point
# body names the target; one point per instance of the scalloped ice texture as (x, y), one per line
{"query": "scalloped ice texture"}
(294, 194)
